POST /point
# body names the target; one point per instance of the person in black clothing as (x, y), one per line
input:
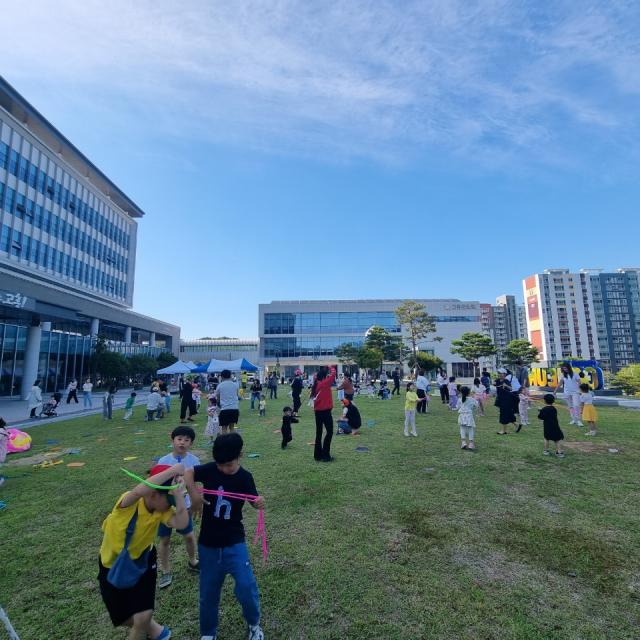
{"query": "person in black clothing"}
(396, 381)
(504, 401)
(351, 416)
(287, 420)
(187, 403)
(296, 390)
(552, 431)
(221, 545)
(256, 392)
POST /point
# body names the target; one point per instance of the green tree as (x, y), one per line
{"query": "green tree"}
(165, 359)
(426, 361)
(141, 367)
(472, 346)
(628, 379)
(347, 353)
(418, 324)
(99, 349)
(370, 358)
(112, 367)
(520, 350)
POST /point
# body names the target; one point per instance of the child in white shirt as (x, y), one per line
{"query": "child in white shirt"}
(466, 421)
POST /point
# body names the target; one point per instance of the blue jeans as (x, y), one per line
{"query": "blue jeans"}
(255, 395)
(87, 400)
(215, 563)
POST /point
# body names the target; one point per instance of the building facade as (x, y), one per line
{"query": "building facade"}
(204, 349)
(305, 333)
(67, 257)
(503, 322)
(591, 314)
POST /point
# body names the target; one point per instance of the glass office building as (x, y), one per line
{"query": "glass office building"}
(305, 334)
(67, 255)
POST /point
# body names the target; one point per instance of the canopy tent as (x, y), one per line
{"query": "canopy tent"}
(176, 367)
(200, 368)
(215, 366)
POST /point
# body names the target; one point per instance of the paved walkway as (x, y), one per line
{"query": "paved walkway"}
(16, 413)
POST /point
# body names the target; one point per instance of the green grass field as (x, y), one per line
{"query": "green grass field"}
(412, 539)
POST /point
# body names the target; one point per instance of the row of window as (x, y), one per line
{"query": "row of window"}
(41, 218)
(341, 322)
(23, 246)
(36, 178)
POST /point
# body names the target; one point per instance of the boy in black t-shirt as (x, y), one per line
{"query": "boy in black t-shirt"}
(287, 419)
(552, 431)
(221, 544)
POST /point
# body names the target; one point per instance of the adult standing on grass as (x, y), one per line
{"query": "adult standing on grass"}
(504, 402)
(72, 391)
(34, 398)
(395, 376)
(422, 389)
(87, 394)
(322, 406)
(443, 382)
(296, 389)
(129, 532)
(570, 382)
(186, 401)
(256, 392)
(228, 401)
(272, 385)
(347, 386)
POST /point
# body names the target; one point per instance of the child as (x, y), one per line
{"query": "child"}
(213, 422)
(262, 406)
(589, 413)
(4, 442)
(182, 438)
(410, 402)
(107, 403)
(196, 394)
(287, 419)
(549, 416)
(453, 393)
(133, 522)
(128, 405)
(523, 407)
(153, 402)
(466, 421)
(479, 393)
(221, 545)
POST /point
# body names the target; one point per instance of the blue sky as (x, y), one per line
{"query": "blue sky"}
(300, 150)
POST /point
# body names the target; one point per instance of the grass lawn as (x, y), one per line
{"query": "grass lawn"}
(412, 539)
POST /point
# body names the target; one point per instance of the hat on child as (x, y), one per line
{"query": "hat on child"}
(346, 402)
(159, 468)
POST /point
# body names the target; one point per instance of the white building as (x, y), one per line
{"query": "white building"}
(204, 349)
(305, 333)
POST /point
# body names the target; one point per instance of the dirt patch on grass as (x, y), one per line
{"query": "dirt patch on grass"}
(425, 525)
(588, 446)
(490, 566)
(563, 550)
(38, 458)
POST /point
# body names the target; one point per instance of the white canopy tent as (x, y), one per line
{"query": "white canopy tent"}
(175, 368)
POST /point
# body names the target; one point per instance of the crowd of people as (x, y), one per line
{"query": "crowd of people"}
(172, 494)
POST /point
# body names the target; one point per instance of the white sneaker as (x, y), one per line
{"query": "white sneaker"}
(579, 423)
(207, 638)
(414, 434)
(256, 633)
(406, 433)
(572, 422)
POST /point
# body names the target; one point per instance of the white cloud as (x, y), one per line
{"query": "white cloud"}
(491, 80)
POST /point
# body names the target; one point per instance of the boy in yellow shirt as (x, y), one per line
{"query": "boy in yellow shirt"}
(410, 402)
(133, 523)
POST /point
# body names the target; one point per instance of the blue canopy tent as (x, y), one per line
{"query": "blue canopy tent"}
(215, 366)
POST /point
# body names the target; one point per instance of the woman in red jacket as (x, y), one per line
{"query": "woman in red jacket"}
(322, 406)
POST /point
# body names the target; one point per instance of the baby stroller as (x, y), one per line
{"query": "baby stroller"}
(49, 409)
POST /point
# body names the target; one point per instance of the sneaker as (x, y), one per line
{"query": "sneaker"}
(463, 445)
(414, 434)
(207, 638)
(579, 423)
(406, 434)
(194, 568)
(572, 422)
(329, 459)
(472, 446)
(255, 632)
(559, 454)
(518, 428)
(165, 634)
(165, 580)
(545, 452)
(592, 433)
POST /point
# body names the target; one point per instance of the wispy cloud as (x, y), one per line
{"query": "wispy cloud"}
(490, 80)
